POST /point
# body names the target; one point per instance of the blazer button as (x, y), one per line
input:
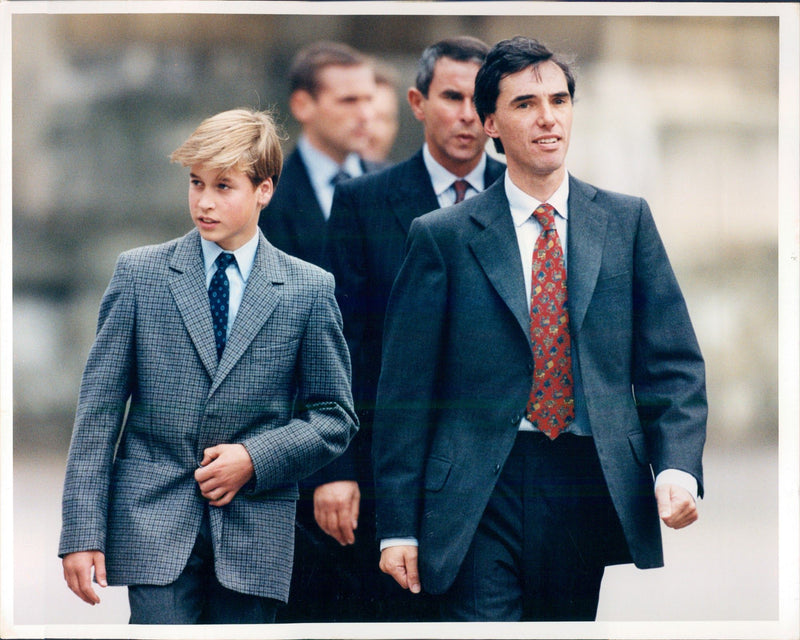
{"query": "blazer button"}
(496, 469)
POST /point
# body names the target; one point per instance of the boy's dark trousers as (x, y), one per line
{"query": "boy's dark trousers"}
(197, 597)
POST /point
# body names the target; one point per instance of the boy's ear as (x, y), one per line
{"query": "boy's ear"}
(265, 191)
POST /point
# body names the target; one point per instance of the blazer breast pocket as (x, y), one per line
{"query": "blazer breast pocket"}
(613, 283)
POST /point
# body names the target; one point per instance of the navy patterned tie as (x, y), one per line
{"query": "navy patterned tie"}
(219, 297)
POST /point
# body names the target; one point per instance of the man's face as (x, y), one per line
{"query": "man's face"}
(337, 119)
(533, 119)
(225, 206)
(452, 128)
(384, 124)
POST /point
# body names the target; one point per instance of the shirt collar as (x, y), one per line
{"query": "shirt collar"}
(322, 168)
(245, 255)
(442, 179)
(523, 205)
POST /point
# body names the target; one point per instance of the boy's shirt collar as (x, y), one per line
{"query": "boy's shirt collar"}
(245, 255)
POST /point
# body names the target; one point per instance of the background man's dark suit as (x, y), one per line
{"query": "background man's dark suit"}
(457, 371)
(367, 232)
(293, 220)
(368, 228)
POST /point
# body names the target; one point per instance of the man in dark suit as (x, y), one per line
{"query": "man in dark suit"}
(519, 427)
(367, 233)
(331, 88)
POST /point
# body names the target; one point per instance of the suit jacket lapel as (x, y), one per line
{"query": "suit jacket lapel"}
(261, 296)
(414, 193)
(586, 237)
(497, 251)
(187, 283)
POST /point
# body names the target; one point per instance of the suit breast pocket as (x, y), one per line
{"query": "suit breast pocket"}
(436, 473)
(612, 283)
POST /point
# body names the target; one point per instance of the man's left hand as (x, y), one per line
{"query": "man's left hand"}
(336, 508)
(676, 506)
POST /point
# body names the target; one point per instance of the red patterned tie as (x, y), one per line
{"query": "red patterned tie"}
(551, 406)
(461, 187)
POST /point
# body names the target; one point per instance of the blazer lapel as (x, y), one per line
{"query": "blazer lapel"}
(586, 237)
(261, 296)
(187, 284)
(497, 251)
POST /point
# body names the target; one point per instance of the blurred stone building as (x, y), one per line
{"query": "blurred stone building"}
(680, 110)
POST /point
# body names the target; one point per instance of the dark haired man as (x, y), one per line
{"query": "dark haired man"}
(367, 233)
(331, 88)
(525, 403)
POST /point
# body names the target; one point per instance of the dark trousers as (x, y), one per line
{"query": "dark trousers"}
(197, 597)
(541, 546)
(335, 583)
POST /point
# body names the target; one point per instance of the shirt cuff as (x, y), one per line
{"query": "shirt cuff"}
(680, 478)
(397, 542)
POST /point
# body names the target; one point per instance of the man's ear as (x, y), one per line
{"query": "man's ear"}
(416, 100)
(489, 126)
(302, 105)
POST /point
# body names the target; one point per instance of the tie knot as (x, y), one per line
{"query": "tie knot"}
(461, 187)
(224, 260)
(340, 176)
(544, 216)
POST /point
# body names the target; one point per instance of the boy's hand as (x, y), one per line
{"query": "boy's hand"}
(224, 470)
(78, 573)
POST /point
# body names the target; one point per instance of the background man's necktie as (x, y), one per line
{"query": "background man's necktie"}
(340, 176)
(551, 406)
(219, 296)
(461, 187)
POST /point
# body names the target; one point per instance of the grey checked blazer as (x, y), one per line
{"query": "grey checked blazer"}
(282, 388)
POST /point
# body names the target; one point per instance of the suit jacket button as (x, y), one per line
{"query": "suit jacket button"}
(496, 469)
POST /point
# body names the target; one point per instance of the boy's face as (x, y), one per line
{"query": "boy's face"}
(225, 206)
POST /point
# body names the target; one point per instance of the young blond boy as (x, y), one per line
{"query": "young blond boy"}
(189, 499)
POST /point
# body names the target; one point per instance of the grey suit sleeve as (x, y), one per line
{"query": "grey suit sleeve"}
(405, 411)
(105, 388)
(324, 419)
(668, 372)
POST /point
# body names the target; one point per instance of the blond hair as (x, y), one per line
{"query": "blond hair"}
(241, 139)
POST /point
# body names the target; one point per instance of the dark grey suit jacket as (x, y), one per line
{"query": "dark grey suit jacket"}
(281, 388)
(457, 369)
(293, 220)
(367, 234)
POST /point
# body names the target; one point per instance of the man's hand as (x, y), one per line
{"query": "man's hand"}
(336, 506)
(676, 506)
(401, 563)
(224, 470)
(78, 573)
